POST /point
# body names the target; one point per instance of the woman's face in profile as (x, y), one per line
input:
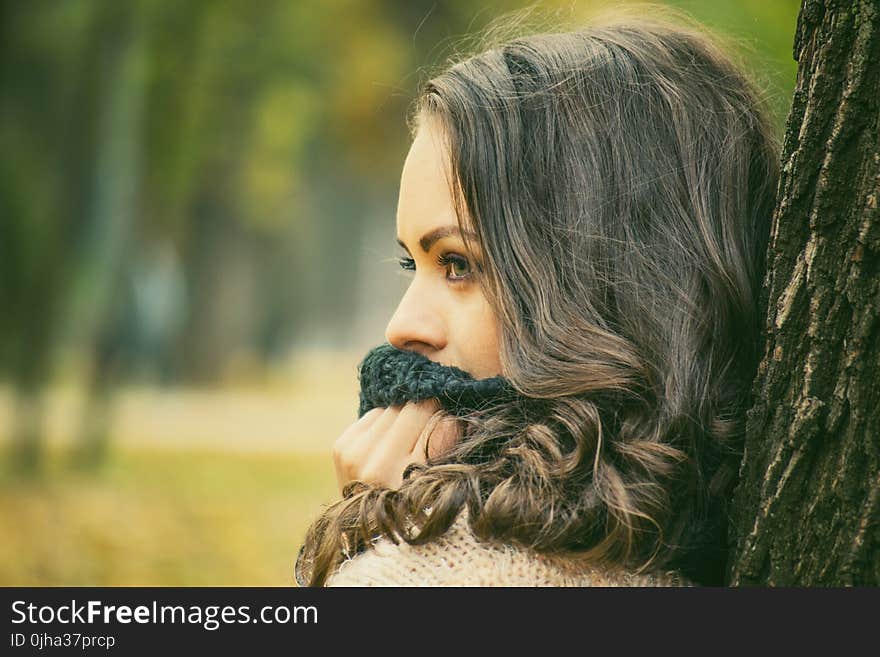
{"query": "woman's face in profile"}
(443, 315)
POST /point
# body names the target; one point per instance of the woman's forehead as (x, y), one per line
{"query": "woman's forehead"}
(425, 200)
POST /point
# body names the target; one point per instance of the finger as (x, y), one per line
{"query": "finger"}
(439, 435)
(383, 421)
(445, 435)
(370, 442)
(357, 429)
(371, 415)
(362, 439)
(357, 440)
(408, 427)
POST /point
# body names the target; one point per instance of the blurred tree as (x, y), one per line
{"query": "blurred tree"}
(54, 106)
(110, 244)
(808, 502)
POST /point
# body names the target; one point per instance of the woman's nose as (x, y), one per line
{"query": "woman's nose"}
(415, 325)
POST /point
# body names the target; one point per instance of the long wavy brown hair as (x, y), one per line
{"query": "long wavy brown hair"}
(620, 179)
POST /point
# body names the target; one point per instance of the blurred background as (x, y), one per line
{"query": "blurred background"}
(197, 205)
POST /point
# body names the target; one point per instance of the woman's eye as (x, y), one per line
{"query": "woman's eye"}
(457, 267)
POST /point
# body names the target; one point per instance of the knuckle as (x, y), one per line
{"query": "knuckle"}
(370, 475)
(372, 413)
(340, 447)
(372, 416)
(344, 459)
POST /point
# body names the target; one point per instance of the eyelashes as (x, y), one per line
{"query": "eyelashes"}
(451, 261)
(458, 267)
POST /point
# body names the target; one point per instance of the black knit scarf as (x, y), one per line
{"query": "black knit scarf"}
(391, 377)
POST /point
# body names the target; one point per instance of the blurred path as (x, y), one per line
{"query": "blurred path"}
(305, 414)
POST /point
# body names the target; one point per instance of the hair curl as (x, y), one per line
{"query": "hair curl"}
(620, 179)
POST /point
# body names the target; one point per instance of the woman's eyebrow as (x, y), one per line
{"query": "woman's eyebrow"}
(429, 238)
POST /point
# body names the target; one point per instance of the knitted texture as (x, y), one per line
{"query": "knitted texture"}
(458, 558)
(391, 377)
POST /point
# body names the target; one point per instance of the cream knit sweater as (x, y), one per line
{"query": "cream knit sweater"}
(458, 558)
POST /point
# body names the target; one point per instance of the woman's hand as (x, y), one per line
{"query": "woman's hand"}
(377, 448)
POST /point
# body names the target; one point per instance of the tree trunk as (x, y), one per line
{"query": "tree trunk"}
(807, 509)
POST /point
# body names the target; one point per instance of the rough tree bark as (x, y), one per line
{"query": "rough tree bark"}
(807, 509)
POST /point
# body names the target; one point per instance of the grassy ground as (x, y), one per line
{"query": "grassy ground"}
(158, 517)
(202, 487)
